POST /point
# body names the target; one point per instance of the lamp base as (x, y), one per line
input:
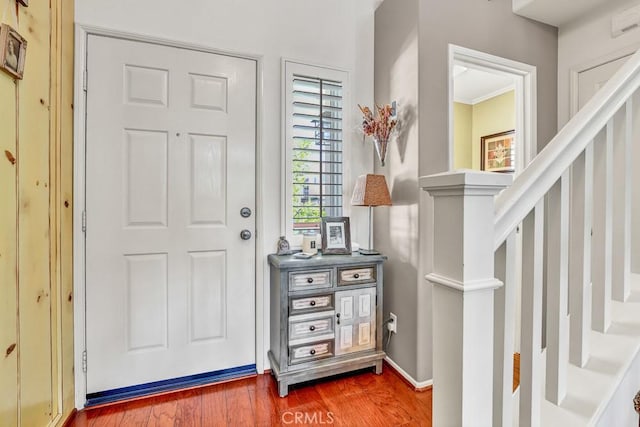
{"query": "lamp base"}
(369, 252)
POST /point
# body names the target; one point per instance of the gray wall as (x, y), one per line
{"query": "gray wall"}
(488, 26)
(396, 228)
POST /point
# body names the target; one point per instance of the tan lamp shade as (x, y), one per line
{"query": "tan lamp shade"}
(371, 190)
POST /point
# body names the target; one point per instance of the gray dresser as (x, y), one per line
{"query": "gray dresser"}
(326, 316)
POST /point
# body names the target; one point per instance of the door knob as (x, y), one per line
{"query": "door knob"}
(245, 234)
(245, 212)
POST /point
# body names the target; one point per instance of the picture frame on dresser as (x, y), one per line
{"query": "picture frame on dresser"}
(336, 235)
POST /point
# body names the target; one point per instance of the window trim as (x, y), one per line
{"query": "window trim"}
(289, 68)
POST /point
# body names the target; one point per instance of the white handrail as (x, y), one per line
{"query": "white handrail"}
(515, 202)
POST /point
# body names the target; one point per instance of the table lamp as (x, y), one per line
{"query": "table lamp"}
(370, 190)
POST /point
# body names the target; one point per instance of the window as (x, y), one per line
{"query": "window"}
(314, 154)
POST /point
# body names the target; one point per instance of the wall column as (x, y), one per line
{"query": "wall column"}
(463, 287)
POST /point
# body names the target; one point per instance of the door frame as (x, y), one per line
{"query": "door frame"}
(574, 72)
(82, 33)
(525, 79)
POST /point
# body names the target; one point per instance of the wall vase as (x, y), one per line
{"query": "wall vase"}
(381, 148)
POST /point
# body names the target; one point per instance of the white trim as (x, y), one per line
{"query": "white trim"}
(261, 306)
(417, 384)
(525, 97)
(82, 33)
(468, 286)
(79, 304)
(575, 71)
(486, 96)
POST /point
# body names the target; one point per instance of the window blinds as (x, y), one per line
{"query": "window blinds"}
(317, 151)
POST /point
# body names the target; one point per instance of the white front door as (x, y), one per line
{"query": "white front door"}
(170, 163)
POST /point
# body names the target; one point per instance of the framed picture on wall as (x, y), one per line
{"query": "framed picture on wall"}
(497, 152)
(336, 235)
(13, 51)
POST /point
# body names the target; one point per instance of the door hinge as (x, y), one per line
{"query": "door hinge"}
(84, 221)
(84, 361)
(85, 77)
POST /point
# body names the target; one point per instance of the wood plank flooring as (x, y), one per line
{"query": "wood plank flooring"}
(357, 399)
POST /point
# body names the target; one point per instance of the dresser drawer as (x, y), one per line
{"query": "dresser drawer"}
(309, 304)
(354, 275)
(309, 329)
(314, 279)
(306, 353)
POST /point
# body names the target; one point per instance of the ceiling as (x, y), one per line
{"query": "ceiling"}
(559, 12)
(471, 86)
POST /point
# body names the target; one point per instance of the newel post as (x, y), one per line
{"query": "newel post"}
(463, 287)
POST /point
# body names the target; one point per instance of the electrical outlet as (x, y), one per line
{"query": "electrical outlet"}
(393, 324)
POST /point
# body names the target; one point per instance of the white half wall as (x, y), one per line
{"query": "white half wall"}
(333, 33)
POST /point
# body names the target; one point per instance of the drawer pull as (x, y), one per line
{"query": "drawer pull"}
(310, 280)
(312, 352)
(312, 328)
(356, 276)
(338, 316)
(312, 303)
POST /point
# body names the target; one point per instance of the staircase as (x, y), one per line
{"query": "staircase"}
(566, 219)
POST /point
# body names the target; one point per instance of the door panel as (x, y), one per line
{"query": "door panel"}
(207, 310)
(208, 155)
(356, 315)
(591, 80)
(170, 163)
(146, 186)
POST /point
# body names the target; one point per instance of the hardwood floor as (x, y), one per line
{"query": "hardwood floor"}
(359, 399)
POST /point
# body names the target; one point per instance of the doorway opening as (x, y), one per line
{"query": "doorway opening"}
(477, 78)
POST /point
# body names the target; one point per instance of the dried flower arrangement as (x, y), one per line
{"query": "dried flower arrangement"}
(379, 127)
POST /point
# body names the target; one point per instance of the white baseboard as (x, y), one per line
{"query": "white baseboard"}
(417, 384)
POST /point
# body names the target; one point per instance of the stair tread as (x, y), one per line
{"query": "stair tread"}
(590, 389)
